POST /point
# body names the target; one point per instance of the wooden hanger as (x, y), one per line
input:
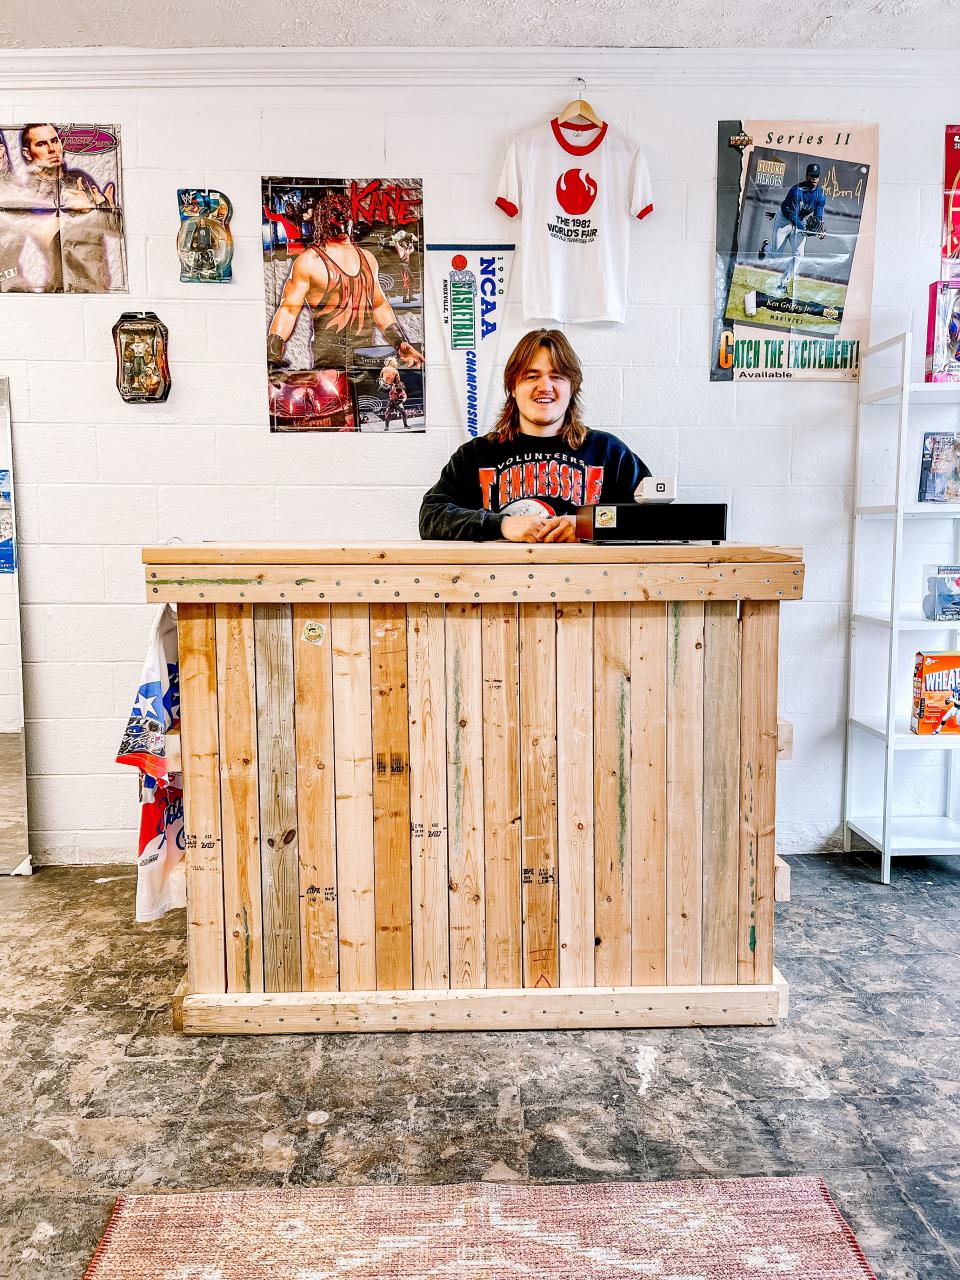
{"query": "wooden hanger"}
(579, 107)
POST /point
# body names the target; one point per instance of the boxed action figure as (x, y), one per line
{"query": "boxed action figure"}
(941, 600)
(943, 333)
(936, 693)
(950, 248)
(939, 472)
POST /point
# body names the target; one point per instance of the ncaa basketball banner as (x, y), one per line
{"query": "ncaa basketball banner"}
(470, 291)
(796, 232)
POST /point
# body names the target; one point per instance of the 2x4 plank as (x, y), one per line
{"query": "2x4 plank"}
(575, 793)
(538, 794)
(316, 795)
(721, 792)
(501, 793)
(648, 791)
(613, 842)
(465, 583)
(758, 783)
(465, 819)
(426, 666)
(684, 792)
(391, 796)
(240, 799)
(279, 857)
(353, 764)
(197, 638)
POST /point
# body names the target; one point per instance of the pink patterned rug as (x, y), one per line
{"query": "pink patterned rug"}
(736, 1229)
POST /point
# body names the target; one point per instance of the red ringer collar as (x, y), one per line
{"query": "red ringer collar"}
(568, 146)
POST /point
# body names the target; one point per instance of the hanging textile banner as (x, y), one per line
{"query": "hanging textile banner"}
(470, 283)
(796, 227)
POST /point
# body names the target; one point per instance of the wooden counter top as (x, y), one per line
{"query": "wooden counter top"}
(497, 552)
(469, 572)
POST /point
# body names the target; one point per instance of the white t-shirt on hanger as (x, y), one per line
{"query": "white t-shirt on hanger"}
(575, 184)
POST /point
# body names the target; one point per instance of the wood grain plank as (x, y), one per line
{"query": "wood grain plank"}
(391, 796)
(353, 763)
(613, 839)
(575, 797)
(316, 795)
(538, 794)
(240, 796)
(197, 639)
(279, 853)
(426, 666)
(648, 791)
(464, 665)
(456, 582)
(501, 793)
(721, 791)
(684, 792)
(759, 637)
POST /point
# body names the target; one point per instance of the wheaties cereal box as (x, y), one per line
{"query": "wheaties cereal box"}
(936, 693)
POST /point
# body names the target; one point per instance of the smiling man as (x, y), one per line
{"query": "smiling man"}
(525, 479)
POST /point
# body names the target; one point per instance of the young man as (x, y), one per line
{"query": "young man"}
(524, 480)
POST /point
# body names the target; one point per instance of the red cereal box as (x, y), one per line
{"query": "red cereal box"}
(936, 693)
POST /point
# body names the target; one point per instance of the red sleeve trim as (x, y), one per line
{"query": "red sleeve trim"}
(508, 208)
(648, 208)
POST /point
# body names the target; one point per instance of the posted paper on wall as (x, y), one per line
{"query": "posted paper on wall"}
(796, 231)
(470, 292)
(344, 295)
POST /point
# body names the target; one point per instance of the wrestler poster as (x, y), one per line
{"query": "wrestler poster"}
(61, 209)
(796, 231)
(343, 273)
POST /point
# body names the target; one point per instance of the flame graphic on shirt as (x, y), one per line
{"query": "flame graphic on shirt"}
(576, 191)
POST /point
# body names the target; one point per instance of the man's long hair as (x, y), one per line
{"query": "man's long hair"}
(564, 360)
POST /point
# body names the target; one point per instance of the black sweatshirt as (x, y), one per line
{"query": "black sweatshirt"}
(532, 475)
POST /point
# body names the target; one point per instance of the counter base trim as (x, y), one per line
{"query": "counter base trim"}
(486, 1010)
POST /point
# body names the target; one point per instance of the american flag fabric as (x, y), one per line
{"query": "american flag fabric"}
(161, 879)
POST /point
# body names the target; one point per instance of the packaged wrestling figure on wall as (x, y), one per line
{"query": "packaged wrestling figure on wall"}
(143, 375)
(205, 242)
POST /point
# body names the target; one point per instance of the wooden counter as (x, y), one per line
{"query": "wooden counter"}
(435, 786)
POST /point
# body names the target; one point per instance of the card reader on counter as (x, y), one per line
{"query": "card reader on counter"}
(653, 522)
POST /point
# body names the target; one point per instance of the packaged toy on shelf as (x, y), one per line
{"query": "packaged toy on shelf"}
(941, 600)
(939, 470)
(936, 693)
(943, 333)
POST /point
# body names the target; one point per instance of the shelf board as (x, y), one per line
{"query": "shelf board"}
(911, 834)
(919, 393)
(921, 510)
(877, 615)
(904, 740)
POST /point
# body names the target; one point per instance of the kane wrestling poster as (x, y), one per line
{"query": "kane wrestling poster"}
(61, 209)
(343, 273)
(796, 231)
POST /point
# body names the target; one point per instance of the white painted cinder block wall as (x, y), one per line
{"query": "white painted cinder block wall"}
(96, 479)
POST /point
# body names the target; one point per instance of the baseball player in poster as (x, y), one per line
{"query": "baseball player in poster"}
(800, 215)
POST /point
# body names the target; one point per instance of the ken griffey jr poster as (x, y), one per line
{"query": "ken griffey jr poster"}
(796, 222)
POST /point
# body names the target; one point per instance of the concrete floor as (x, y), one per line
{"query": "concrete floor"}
(862, 1083)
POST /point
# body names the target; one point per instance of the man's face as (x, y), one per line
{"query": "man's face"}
(43, 147)
(542, 393)
(812, 182)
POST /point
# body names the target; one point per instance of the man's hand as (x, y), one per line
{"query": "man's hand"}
(521, 528)
(558, 529)
(410, 357)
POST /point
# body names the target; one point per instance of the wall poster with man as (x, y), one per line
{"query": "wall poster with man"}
(796, 231)
(343, 275)
(61, 209)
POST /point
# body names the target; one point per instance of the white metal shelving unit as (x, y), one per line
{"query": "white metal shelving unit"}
(869, 804)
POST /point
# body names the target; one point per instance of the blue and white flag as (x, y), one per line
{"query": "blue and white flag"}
(470, 289)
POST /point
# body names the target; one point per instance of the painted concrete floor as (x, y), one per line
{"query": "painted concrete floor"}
(862, 1083)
